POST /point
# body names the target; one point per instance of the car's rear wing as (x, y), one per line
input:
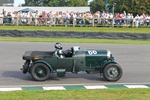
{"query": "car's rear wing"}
(29, 55)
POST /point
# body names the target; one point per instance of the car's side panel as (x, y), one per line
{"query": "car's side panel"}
(51, 60)
(79, 61)
(95, 58)
(60, 63)
(65, 63)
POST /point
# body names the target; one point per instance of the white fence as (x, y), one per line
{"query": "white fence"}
(94, 22)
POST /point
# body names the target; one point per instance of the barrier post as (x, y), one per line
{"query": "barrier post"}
(112, 22)
(93, 22)
(17, 21)
(132, 23)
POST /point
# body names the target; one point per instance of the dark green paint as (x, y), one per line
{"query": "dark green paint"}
(115, 86)
(32, 88)
(81, 60)
(148, 85)
(74, 87)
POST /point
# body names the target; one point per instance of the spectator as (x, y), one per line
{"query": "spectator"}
(124, 20)
(20, 17)
(97, 19)
(45, 18)
(118, 19)
(90, 18)
(50, 18)
(80, 18)
(137, 20)
(68, 17)
(40, 20)
(36, 16)
(9, 16)
(147, 20)
(1, 18)
(128, 19)
(15, 16)
(24, 17)
(30, 17)
(86, 19)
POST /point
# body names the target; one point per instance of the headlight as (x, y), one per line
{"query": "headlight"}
(108, 54)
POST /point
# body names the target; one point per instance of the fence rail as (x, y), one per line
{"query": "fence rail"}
(75, 22)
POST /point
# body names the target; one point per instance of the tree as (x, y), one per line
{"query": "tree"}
(130, 6)
(97, 5)
(56, 3)
(76, 3)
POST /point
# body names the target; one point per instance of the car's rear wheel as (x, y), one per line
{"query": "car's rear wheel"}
(112, 72)
(40, 72)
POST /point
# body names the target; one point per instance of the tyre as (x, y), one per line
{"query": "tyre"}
(40, 72)
(112, 72)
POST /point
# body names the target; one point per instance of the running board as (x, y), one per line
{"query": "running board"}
(61, 72)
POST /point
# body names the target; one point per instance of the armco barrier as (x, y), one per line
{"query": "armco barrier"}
(53, 34)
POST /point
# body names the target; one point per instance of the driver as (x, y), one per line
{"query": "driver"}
(68, 53)
(58, 50)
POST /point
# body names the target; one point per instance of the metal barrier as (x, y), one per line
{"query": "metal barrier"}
(75, 22)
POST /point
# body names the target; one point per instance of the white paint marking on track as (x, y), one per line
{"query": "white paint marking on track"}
(54, 88)
(136, 86)
(96, 87)
(10, 89)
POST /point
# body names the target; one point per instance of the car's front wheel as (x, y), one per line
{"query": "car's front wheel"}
(40, 72)
(112, 72)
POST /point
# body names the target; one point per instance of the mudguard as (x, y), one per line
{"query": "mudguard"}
(42, 61)
(106, 62)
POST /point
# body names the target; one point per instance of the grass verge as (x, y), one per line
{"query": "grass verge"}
(74, 40)
(106, 94)
(77, 29)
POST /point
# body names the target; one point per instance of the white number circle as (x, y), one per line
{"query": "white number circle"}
(92, 52)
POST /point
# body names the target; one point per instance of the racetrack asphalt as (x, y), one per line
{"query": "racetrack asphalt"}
(134, 59)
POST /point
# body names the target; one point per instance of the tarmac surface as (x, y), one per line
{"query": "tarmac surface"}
(134, 59)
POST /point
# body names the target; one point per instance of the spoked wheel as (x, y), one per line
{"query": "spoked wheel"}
(112, 72)
(40, 72)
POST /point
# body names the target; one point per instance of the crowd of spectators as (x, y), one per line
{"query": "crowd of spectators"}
(75, 18)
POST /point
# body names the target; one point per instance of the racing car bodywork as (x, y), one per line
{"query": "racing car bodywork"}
(40, 64)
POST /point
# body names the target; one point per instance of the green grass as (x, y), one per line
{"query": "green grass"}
(74, 40)
(106, 94)
(77, 29)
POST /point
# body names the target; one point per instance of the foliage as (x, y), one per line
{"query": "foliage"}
(56, 3)
(97, 5)
(130, 6)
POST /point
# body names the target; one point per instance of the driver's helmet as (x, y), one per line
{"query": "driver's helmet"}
(58, 46)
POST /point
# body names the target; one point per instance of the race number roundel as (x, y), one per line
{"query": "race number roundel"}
(93, 52)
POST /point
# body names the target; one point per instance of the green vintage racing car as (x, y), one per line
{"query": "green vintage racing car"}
(41, 64)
